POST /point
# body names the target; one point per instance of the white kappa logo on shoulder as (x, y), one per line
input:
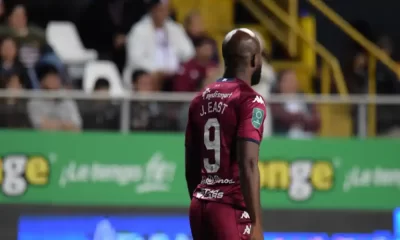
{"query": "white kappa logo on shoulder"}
(259, 99)
(207, 90)
(245, 215)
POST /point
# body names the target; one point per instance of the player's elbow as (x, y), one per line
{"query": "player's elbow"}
(249, 166)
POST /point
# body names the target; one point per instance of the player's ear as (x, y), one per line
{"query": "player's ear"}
(253, 61)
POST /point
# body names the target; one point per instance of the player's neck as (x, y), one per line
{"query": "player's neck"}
(242, 75)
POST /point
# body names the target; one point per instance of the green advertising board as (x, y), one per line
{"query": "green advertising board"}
(146, 169)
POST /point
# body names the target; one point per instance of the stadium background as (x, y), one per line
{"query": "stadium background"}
(119, 170)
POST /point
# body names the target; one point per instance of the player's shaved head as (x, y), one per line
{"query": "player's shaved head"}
(241, 51)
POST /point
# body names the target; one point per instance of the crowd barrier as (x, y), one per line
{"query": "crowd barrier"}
(361, 106)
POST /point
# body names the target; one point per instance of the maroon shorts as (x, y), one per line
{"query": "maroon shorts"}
(218, 221)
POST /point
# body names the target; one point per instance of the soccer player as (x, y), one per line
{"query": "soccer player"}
(222, 144)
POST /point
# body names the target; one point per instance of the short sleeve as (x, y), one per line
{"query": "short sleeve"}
(252, 113)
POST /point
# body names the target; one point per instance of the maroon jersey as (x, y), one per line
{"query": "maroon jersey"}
(223, 112)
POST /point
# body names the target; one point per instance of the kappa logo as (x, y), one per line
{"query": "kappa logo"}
(245, 215)
(259, 99)
(247, 230)
(205, 92)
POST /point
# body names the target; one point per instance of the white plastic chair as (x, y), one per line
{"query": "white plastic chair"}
(63, 37)
(102, 69)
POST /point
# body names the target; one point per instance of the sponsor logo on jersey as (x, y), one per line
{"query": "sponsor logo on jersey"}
(258, 99)
(217, 94)
(206, 193)
(299, 178)
(257, 117)
(214, 179)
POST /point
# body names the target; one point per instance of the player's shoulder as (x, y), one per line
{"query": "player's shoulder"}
(250, 96)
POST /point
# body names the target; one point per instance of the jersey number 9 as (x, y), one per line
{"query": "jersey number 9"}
(214, 145)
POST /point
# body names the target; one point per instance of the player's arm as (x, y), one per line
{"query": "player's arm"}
(250, 131)
(192, 161)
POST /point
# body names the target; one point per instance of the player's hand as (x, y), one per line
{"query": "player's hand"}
(256, 232)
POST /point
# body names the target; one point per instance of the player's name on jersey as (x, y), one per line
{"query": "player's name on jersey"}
(148, 170)
(213, 107)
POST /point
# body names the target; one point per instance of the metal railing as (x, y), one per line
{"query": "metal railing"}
(361, 101)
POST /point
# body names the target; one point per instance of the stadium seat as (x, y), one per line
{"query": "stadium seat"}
(102, 69)
(63, 37)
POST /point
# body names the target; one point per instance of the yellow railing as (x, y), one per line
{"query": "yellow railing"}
(374, 54)
(267, 22)
(293, 11)
(330, 62)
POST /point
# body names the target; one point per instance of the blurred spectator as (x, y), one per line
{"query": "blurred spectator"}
(357, 75)
(54, 114)
(157, 44)
(31, 40)
(13, 112)
(193, 73)
(101, 114)
(104, 25)
(143, 112)
(386, 81)
(150, 115)
(294, 118)
(143, 81)
(10, 63)
(194, 27)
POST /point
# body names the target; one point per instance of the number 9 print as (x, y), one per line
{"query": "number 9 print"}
(18, 172)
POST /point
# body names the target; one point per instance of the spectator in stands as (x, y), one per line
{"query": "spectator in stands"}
(356, 74)
(387, 83)
(194, 27)
(13, 112)
(150, 115)
(157, 44)
(142, 112)
(294, 118)
(31, 40)
(115, 18)
(193, 73)
(9, 61)
(143, 81)
(101, 114)
(55, 114)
